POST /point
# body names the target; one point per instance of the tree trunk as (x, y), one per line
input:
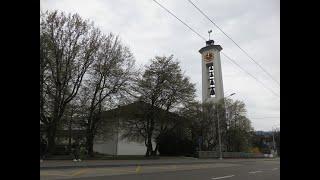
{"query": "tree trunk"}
(90, 139)
(149, 137)
(52, 129)
(154, 153)
(149, 147)
(70, 137)
(53, 125)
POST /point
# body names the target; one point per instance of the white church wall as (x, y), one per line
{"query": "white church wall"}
(107, 144)
(105, 148)
(126, 147)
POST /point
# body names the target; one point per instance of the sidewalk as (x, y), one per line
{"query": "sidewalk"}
(67, 164)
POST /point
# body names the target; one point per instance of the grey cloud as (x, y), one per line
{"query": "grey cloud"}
(148, 30)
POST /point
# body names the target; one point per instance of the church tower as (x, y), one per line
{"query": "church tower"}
(212, 85)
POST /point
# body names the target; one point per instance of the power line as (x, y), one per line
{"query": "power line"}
(221, 52)
(234, 62)
(250, 74)
(235, 43)
(263, 117)
(180, 20)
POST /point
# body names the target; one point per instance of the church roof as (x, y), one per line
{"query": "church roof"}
(135, 109)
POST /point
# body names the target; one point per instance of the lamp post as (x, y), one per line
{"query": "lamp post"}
(219, 134)
(118, 124)
(226, 115)
(274, 143)
(115, 154)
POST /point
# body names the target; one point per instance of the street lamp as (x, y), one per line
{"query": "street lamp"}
(226, 116)
(274, 143)
(115, 154)
(219, 134)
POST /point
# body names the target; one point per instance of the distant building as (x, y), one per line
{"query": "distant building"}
(263, 140)
(263, 133)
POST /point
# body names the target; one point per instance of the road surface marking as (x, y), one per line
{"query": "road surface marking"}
(53, 174)
(163, 167)
(253, 172)
(82, 171)
(274, 169)
(116, 170)
(223, 177)
(138, 169)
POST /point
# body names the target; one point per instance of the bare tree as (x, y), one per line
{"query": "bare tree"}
(162, 87)
(204, 123)
(235, 127)
(238, 134)
(68, 45)
(108, 79)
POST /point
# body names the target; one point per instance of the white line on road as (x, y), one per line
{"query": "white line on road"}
(274, 169)
(223, 177)
(253, 172)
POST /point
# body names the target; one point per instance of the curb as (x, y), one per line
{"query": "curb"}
(119, 165)
(138, 164)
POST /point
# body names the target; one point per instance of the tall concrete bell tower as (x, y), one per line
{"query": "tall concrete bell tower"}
(212, 85)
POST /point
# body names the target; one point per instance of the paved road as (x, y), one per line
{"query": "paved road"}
(242, 170)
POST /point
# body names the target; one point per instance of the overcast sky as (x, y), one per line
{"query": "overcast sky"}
(148, 30)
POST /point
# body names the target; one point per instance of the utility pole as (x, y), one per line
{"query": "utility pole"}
(274, 143)
(226, 117)
(70, 129)
(117, 133)
(219, 136)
